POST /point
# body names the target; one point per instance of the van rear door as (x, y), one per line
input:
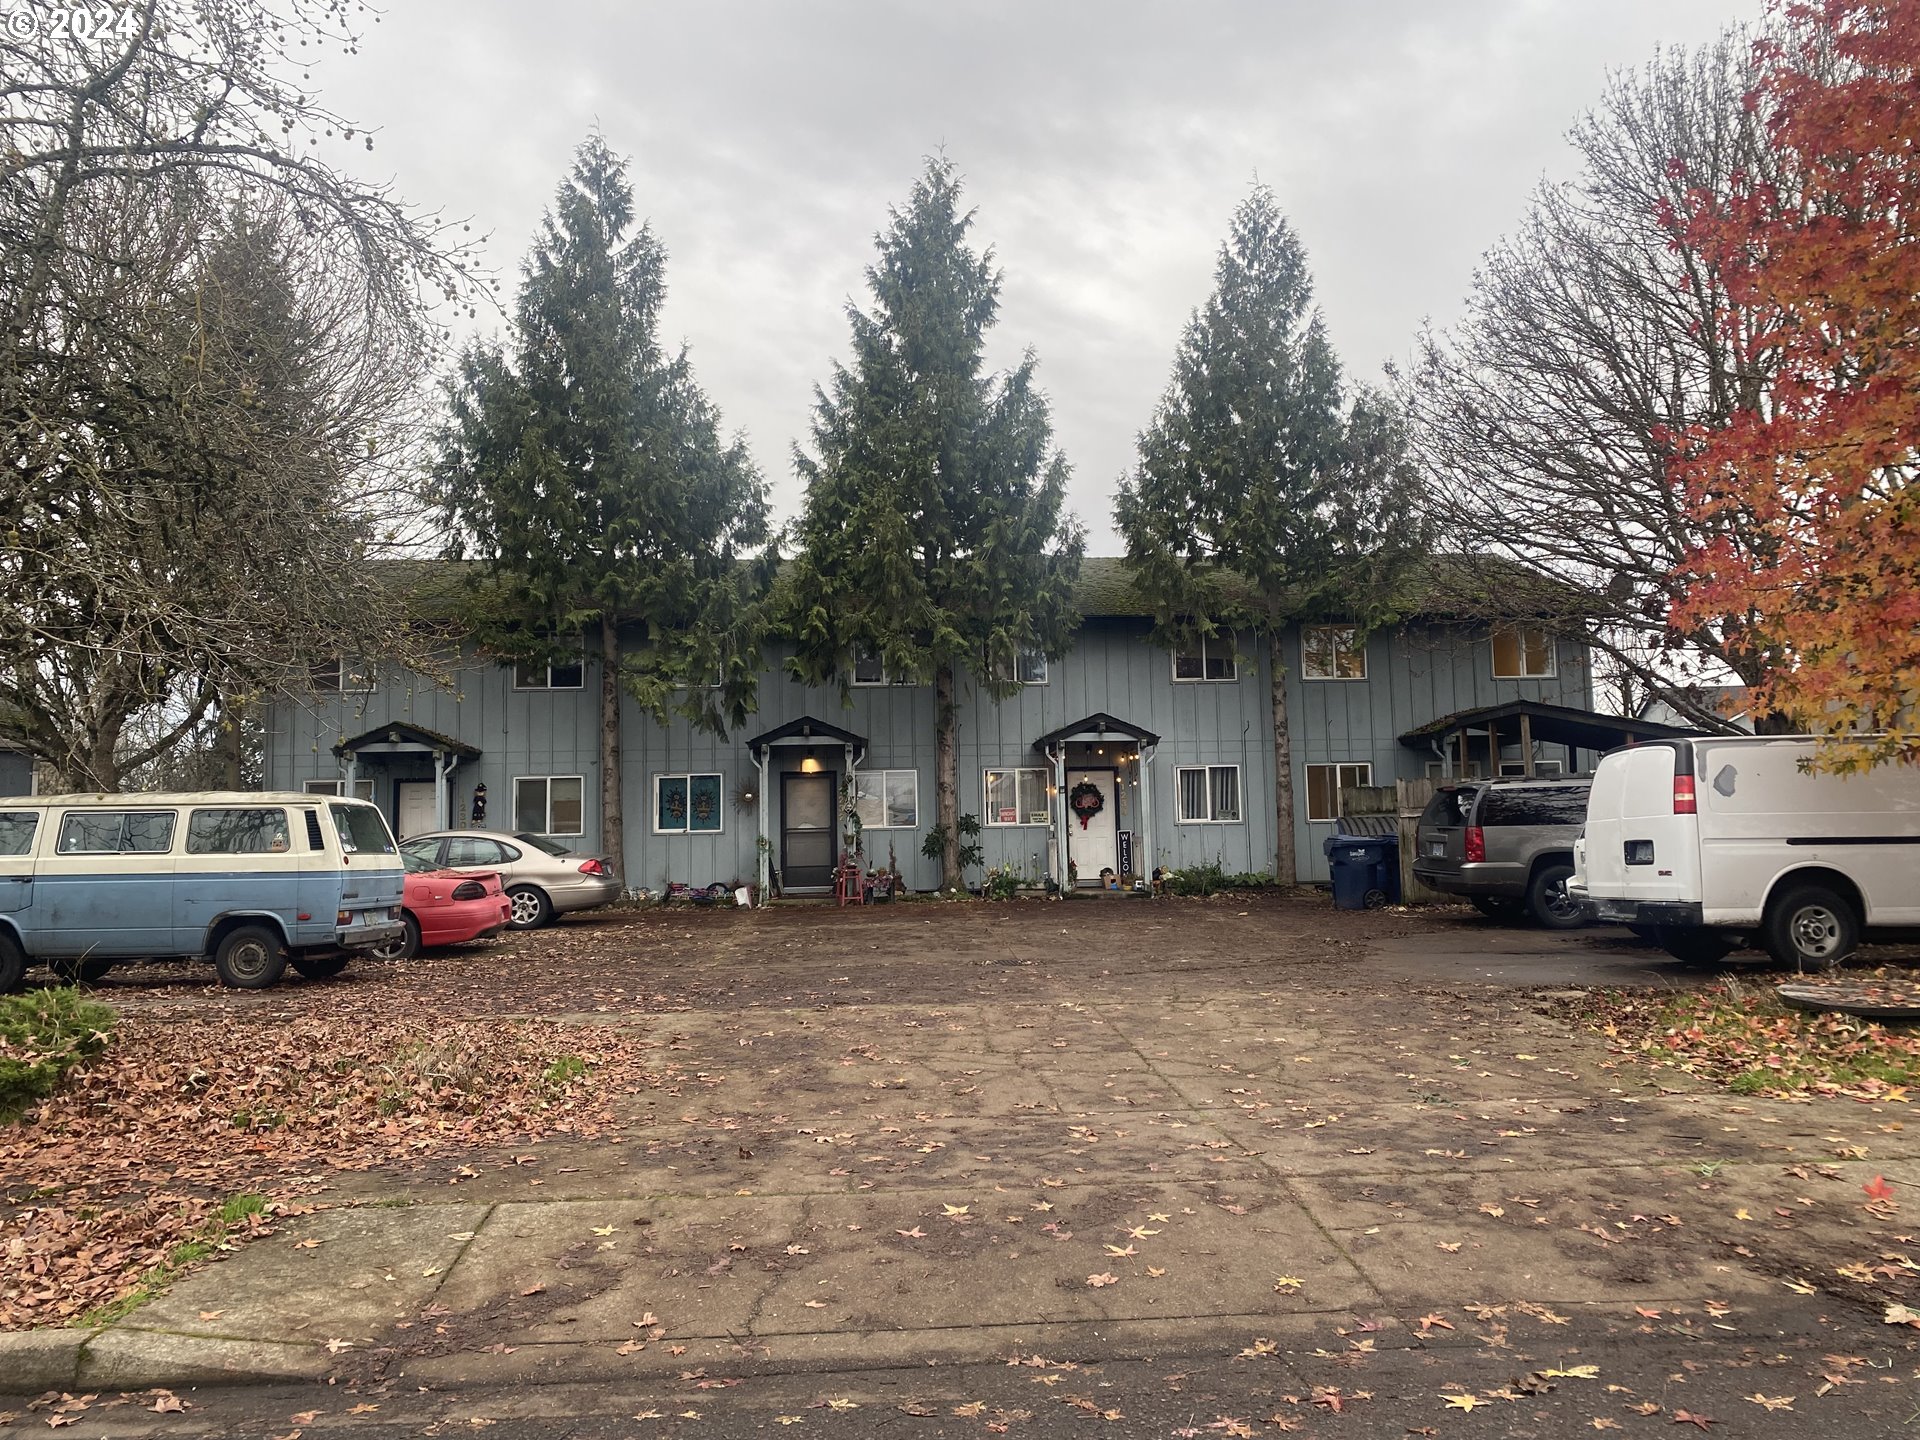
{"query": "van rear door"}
(1637, 848)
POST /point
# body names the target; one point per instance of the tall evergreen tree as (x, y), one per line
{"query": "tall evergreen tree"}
(587, 470)
(1263, 495)
(932, 535)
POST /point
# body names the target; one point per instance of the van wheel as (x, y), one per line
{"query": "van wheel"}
(406, 947)
(1691, 946)
(80, 970)
(318, 967)
(1548, 901)
(13, 964)
(1810, 924)
(531, 907)
(250, 957)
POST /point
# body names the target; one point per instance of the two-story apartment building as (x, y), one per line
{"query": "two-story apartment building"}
(1178, 748)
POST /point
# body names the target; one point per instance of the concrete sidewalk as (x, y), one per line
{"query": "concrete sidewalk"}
(1177, 1170)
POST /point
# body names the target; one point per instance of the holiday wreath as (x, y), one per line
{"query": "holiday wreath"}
(1086, 801)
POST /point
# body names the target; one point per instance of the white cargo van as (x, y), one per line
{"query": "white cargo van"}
(1721, 842)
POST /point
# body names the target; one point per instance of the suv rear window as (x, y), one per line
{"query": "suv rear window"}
(1449, 806)
(1530, 805)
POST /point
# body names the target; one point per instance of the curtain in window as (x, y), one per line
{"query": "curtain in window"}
(1193, 794)
(1226, 792)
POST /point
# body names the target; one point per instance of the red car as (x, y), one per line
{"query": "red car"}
(444, 907)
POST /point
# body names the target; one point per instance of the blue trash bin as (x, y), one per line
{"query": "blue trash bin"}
(1366, 870)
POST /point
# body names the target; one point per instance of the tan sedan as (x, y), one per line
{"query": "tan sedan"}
(542, 879)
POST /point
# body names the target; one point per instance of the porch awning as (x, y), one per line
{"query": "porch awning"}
(804, 731)
(1098, 726)
(397, 737)
(1554, 724)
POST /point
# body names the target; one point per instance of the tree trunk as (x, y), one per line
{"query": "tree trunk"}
(1286, 864)
(946, 786)
(613, 825)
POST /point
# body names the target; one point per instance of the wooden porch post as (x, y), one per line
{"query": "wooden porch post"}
(1526, 742)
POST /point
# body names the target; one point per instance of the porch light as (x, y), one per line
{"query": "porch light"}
(809, 765)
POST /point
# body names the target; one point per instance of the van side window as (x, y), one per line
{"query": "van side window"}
(16, 831)
(237, 832)
(116, 832)
(315, 840)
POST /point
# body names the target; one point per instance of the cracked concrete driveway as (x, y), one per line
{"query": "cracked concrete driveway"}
(913, 1149)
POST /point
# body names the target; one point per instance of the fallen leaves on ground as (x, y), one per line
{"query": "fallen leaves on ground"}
(1748, 1041)
(132, 1159)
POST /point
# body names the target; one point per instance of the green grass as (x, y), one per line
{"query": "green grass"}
(564, 1071)
(178, 1260)
(43, 1035)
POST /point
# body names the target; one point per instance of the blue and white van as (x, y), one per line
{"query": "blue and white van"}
(254, 882)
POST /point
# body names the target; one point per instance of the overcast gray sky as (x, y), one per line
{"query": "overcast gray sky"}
(1104, 147)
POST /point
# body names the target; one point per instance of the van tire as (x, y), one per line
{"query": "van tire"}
(1810, 924)
(1691, 946)
(250, 957)
(80, 969)
(318, 967)
(13, 964)
(531, 907)
(1547, 899)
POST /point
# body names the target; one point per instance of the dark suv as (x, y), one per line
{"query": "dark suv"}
(1505, 845)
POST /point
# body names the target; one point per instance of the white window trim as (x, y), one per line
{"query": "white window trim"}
(987, 821)
(1336, 766)
(860, 775)
(1173, 664)
(1552, 672)
(362, 789)
(1359, 647)
(539, 689)
(690, 776)
(1238, 788)
(513, 802)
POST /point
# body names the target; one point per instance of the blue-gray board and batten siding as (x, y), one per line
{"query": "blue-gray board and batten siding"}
(1415, 674)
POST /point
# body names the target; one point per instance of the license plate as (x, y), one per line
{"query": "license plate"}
(1436, 849)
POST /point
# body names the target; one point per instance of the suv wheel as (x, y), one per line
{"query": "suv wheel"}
(1548, 901)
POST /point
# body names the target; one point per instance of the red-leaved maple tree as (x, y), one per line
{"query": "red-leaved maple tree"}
(1819, 463)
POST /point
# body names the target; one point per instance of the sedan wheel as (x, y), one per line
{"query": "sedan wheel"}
(531, 908)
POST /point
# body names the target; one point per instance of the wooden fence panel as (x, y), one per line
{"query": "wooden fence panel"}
(1404, 800)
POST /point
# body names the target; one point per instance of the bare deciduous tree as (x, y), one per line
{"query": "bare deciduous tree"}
(211, 351)
(1591, 342)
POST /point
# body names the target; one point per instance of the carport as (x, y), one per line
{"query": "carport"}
(1467, 737)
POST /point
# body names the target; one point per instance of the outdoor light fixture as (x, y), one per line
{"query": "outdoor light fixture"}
(809, 765)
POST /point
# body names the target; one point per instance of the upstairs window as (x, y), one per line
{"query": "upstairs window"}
(870, 669)
(1332, 652)
(1029, 667)
(344, 675)
(1207, 658)
(1522, 652)
(566, 675)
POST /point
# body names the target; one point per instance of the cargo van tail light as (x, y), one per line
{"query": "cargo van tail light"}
(1476, 844)
(592, 867)
(1683, 801)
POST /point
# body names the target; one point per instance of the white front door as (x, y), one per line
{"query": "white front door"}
(417, 814)
(1092, 847)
